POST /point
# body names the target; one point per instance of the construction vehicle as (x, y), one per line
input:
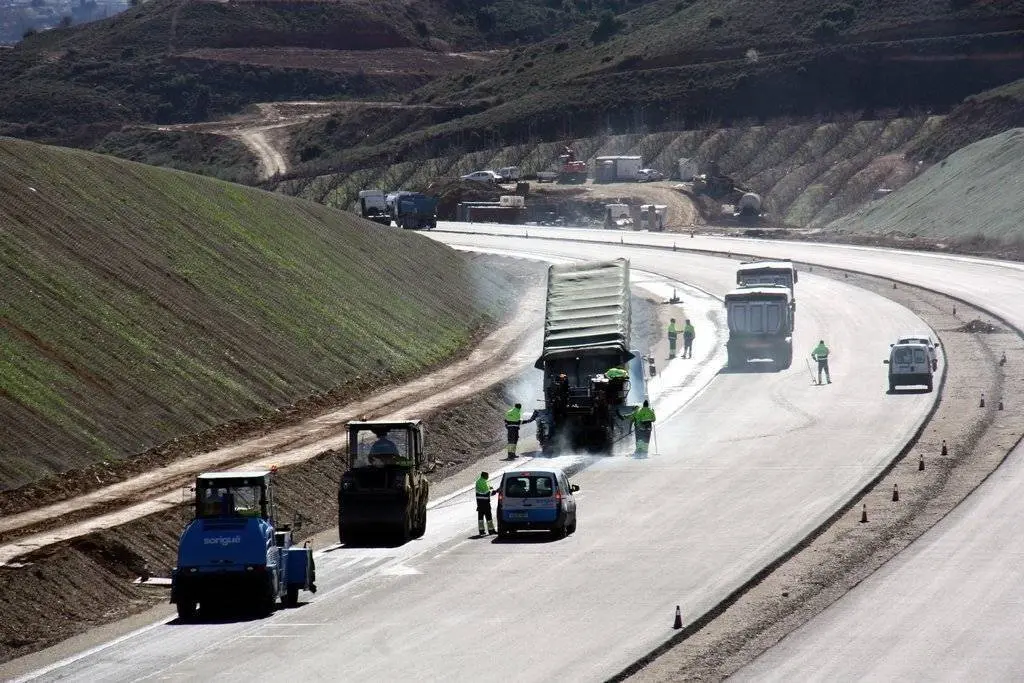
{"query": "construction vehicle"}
(383, 495)
(373, 206)
(571, 170)
(748, 207)
(760, 325)
(412, 210)
(618, 217)
(235, 552)
(586, 333)
(653, 216)
(777, 272)
(616, 169)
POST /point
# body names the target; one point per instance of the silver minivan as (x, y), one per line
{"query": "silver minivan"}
(539, 498)
(909, 365)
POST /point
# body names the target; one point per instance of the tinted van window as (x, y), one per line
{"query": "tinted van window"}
(530, 486)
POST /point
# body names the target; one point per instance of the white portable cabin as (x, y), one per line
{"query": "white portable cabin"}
(617, 168)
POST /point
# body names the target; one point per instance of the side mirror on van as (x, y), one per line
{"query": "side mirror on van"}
(938, 344)
(891, 345)
(885, 362)
(574, 488)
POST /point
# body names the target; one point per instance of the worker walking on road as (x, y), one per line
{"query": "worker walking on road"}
(513, 421)
(672, 332)
(483, 505)
(643, 424)
(688, 334)
(820, 354)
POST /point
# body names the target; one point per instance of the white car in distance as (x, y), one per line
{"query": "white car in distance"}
(483, 177)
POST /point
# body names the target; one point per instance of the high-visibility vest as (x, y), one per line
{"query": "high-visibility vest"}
(688, 330)
(672, 329)
(643, 415)
(483, 489)
(820, 352)
(514, 415)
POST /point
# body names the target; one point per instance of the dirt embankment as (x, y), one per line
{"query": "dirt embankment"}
(847, 551)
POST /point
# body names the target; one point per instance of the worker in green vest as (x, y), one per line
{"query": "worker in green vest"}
(513, 420)
(483, 505)
(643, 425)
(688, 335)
(672, 332)
(820, 354)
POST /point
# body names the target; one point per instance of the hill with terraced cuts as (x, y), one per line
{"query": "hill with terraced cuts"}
(143, 305)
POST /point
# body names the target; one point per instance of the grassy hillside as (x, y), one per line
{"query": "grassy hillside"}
(681, 64)
(141, 304)
(809, 173)
(973, 199)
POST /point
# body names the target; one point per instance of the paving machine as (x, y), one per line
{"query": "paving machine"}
(383, 493)
(586, 334)
(235, 553)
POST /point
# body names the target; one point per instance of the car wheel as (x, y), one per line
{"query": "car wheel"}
(929, 385)
(292, 598)
(559, 531)
(572, 527)
(892, 388)
(186, 610)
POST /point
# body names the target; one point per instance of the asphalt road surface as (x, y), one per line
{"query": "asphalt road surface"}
(749, 467)
(950, 607)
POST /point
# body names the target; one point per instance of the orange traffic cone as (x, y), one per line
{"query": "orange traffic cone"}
(895, 493)
(679, 619)
(864, 514)
(982, 404)
(945, 451)
(920, 464)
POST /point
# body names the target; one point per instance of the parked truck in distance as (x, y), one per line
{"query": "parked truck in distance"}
(760, 325)
(412, 210)
(586, 333)
(234, 552)
(373, 206)
(383, 494)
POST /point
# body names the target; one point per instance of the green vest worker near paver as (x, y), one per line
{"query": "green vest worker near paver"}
(672, 332)
(513, 420)
(483, 505)
(688, 334)
(643, 421)
(820, 354)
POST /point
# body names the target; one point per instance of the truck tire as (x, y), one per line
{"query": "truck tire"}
(733, 361)
(187, 610)
(559, 531)
(929, 385)
(291, 600)
(785, 358)
(266, 600)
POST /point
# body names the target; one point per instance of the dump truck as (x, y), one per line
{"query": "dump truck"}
(382, 497)
(234, 552)
(760, 325)
(412, 210)
(776, 272)
(586, 333)
(373, 206)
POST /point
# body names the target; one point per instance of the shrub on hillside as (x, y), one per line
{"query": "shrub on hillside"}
(607, 26)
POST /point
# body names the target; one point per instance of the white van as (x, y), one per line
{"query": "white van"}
(925, 339)
(536, 498)
(909, 365)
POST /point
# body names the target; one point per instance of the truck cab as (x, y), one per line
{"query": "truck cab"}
(233, 551)
(760, 325)
(779, 272)
(383, 494)
(373, 206)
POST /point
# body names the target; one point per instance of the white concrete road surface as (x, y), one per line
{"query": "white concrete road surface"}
(743, 472)
(951, 606)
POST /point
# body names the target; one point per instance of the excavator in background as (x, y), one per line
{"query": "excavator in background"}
(746, 204)
(571, 170)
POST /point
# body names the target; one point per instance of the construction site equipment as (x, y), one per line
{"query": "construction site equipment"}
(512, 200)
(234, 551)
(617, 216)
(760, 325)
(412, 210)
(687, 169)
(748, 206)
(653, 216)
(571, 169)
(615, 169)
(778, 272)
(586, 333)
(383, 493)
(373, 206)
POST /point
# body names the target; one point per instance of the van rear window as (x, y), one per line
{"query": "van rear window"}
(529, 486)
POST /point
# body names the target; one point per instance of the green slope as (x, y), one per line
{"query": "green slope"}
(139, 304)
(974, 198)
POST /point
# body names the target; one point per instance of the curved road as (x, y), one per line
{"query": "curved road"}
(950, 606)
(752, 464)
